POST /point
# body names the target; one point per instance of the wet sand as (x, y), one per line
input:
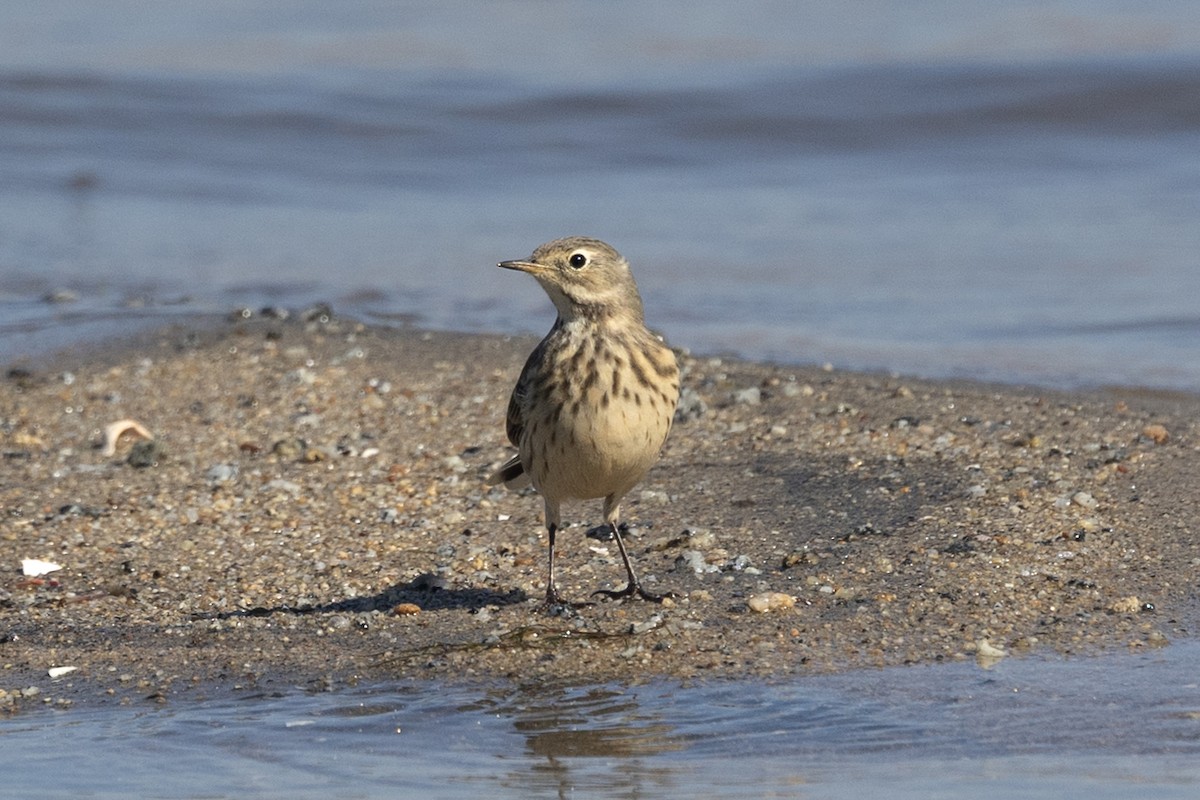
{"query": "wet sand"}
(312, 511)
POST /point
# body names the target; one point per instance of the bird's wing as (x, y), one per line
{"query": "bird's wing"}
(515, 420)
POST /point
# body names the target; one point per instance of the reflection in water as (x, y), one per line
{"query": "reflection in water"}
(1038, 728)
(591, 722)
(593, 740)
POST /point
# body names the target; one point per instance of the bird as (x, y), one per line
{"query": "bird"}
(594, 403)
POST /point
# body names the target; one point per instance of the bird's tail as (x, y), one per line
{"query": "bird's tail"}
(512, 474)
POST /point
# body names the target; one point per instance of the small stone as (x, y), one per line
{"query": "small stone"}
(301, 375)
(146, 454)
(691, 405)
(312, 455)
(282, 485)
(748, 397)
(221, 473)
(739, 563)
(290, 449)
(639, 628)
(770, 601)
(701, 540)
(406, 609)
(1084, 500)
(694, 560)
(654, 496)
(800, 557)
(1156, 433)
(1126, 605)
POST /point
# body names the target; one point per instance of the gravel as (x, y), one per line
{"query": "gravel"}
(312, 510)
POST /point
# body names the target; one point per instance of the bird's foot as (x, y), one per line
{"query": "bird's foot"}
(630, 591)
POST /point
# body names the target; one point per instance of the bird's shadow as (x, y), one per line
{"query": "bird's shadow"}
(427, 591)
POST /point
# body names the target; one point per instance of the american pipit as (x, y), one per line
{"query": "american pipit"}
(594, 403)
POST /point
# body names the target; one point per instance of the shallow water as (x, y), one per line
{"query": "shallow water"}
(991, 190)
(1031, 728)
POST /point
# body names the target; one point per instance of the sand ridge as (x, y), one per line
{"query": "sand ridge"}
(312, 510)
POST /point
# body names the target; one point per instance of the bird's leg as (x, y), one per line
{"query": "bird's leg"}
(634, 586)
(553, 599)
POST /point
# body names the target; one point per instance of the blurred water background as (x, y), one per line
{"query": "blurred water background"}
(1001, 190)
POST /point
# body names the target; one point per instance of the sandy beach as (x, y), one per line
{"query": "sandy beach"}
(311, 511)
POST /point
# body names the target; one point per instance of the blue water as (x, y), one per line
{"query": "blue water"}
(982, 189)
(1113, 727)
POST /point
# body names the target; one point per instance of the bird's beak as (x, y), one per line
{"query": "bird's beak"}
(531, 267)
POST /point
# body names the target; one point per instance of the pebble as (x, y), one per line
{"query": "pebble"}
(221, 473)
(793, 389)
(654, 496)
(1156, 433)
(691, 405)
(1084, 500)
(301, 375)
(700, 539)
(1126, 605)
(739, 563)
(146, 454)
(770, 601)
(282, 485)
(694, 560)
(639, 628)
(748, 397)
(290, 449)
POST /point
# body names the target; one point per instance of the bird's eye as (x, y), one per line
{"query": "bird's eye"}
(578, 260)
